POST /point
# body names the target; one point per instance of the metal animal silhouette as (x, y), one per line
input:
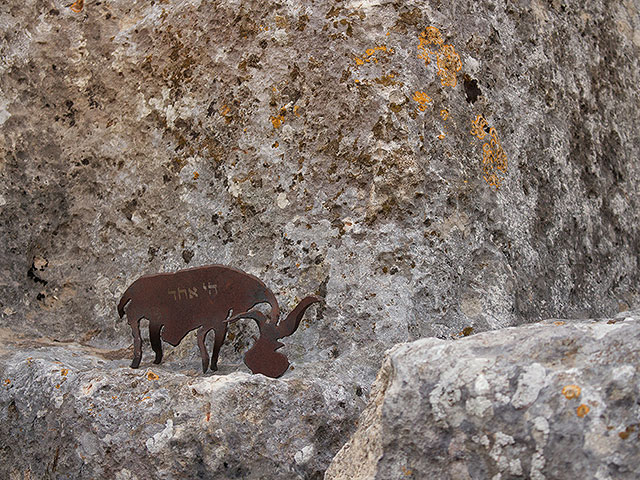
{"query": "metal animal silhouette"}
(262, 357)
(207, 298)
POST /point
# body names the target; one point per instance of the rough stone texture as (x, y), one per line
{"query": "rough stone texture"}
(68, 411)
(309, 144)
(109, 114)
(552, 400)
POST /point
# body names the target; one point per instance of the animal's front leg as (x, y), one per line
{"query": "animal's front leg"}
(221, 333)
(202, 334)
(137, 343)
(156, 343)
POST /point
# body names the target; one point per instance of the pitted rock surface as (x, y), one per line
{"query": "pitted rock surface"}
(326, 148)
(72, 411)
(430, 169)
(551, 400)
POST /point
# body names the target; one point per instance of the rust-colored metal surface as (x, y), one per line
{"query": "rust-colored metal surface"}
(262, 357)
(208, 298)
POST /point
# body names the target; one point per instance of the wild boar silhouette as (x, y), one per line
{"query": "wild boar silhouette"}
(206, 298)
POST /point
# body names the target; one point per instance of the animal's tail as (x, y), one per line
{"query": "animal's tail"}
(123, 301)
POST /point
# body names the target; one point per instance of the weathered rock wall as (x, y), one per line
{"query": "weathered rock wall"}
(325, 147)
(551, 400)
(428, 168)
(69, 411)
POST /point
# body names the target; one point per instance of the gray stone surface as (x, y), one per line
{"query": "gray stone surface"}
(69, 411)
(552, 400)
(313, 181)
(327, 148)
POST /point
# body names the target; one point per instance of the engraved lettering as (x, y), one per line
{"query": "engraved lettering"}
(193, 292)
(172, 292)
(182, 291)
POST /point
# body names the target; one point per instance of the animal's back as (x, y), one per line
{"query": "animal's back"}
(187, 299)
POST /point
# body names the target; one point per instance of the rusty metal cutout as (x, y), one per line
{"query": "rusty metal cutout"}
(208, 298)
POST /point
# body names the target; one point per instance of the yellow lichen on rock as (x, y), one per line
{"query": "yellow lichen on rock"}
(277, 120)
(448, 64)
(430, 36)
(370, 55)
(571, 391)
(421, 99)
(494, 158)
(447, 59)
(478, 127)
(77, 6)
(582, 410)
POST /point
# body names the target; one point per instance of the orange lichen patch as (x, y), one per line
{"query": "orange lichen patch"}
(558, 323)
(64, 372)
(7, 382)
(431, 42)
(152, 376)
(195, 175)
(494, 158)
(295, 110)
(571, 391)
(277, 121)
(407, 472)
(77, 6)
(448, 64)
(224, 110)
(58, 386)
(582, 410)
(441, 136)
(370, 55)
(430, 36)
(422, 99)
(275, 144)
(478, 127)
(444, 113)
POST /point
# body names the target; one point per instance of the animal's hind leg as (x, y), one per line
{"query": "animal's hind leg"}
(221, 333)
(137, 343)
(202, 334)
(156, 343)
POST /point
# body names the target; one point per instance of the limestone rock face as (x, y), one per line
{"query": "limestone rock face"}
(68, 411)
(428, 168)
(424, 166)
(552, 400)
